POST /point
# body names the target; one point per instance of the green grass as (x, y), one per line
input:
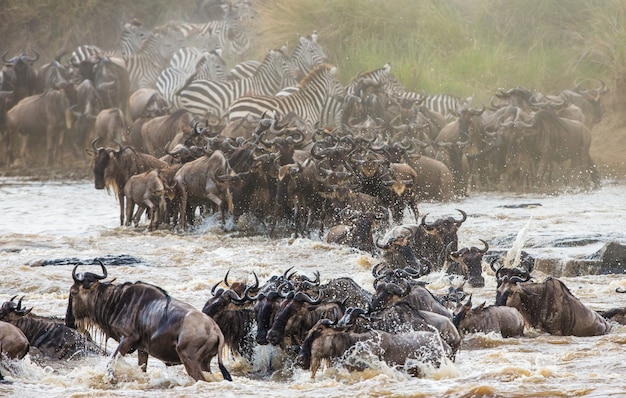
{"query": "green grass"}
(461, 47)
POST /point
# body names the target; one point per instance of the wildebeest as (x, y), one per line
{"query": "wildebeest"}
(468, 263)
(49, 335)
(297, 314)
(110, 126)
(428, 240)
(500, 319)
(144, 317)
(146, 190)
(13, 342)
(548, 306)
(34, 116)
(112, 168)
(234, 314)
(20, 75)
(204, 181)
(326, 341)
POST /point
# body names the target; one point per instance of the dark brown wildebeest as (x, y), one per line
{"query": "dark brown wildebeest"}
(427, 240)
(500, 319)
(548, 306)
(19, 75)
(297, 314)
(112, 168)
(49, 335)
(144, 317)
(327, 341)
(467, 262)
(35, 115)
(234, 314)
(357, 232)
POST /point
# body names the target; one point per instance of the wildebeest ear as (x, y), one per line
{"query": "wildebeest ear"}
(90, 152)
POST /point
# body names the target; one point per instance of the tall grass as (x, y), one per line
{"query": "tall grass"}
(461, 47)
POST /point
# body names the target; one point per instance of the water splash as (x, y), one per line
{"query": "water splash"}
(514, 254)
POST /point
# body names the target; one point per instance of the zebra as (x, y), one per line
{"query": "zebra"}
(315, 90)
(207, 97)
(444, 104)
(85, 52)
(307, 55)
(447, 105)
(187, 65)
(145, 66)
(133, 36)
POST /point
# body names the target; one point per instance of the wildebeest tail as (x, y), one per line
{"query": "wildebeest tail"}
(225, 372)
(220, 350)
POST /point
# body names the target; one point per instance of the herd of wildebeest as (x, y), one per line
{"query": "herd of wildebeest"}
(281, 141)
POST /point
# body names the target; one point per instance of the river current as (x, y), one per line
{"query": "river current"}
(43, 221)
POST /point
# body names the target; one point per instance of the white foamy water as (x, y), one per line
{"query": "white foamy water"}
(60, 220)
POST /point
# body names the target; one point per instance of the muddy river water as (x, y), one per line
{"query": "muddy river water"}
(63, 220)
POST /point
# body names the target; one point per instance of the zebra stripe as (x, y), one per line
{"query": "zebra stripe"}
(86, 52)
(133, 36)
(206, 97)
(170, 81)
(315, 90)
(145, 66)
(186, 68)
(307, 55)
(445, 104)
(244, 70)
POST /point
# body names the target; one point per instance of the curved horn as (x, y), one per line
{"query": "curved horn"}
(104, 271)
(525, 277)
(29, 59)
(302, 296)
(461, 221)
(483, 251)
(214, 288)
(226, 278)
(492, 265)
(93, 144)
(76, 277)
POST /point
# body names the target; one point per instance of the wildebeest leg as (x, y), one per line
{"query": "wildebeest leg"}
(140, 210)
(130, 204)
(120, 198)
(142, 360)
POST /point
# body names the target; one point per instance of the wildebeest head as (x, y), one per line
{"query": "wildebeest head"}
(222, 298)
(445, 229)
(508, 291)
(83, 282)
(470, 260)
(102, 158)
(290, 307)
(388, 293)
(11, 311)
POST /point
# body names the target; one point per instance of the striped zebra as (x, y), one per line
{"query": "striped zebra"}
(85, 52)
(316, 89)
(447, 105)
(307, 55)
(187, 65)
(206, 97)
(146, 65)
(444, 104)
(133, 36)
